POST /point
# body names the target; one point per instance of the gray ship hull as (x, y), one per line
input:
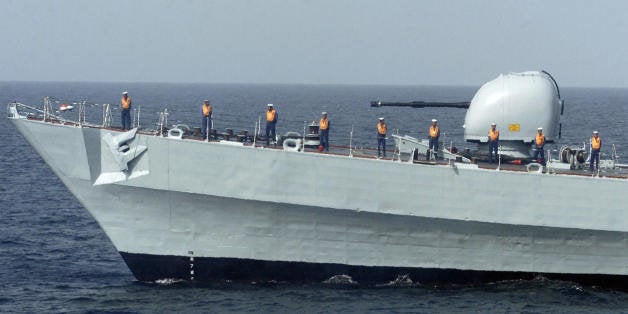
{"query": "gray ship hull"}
(196, 210)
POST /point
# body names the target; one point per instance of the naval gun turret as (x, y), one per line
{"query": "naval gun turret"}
(518, 103)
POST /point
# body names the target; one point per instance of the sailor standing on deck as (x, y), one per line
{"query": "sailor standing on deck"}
(596, 145)
(434, 135)
(271, 122)
(126, 111)
(323, 126)
(493, 142)
(381, 137)
(206, 112)
(539, 142)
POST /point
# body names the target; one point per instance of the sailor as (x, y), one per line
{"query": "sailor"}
(434, 135)
(381, 137)
(493, 142)
(539, 142)
(596, 144)
(323, 126)
(271, 122)
(126, 111)
(206, 112)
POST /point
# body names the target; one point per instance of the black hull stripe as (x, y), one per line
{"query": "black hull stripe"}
(149, 268)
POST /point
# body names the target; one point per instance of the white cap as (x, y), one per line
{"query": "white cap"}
(493, 123)
(381, 119)
(270, 105)
(125, 92)
(434, 120)
(539, 129)
(324, 112)
(595, 132)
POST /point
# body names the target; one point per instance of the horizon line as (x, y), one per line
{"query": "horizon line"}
(286, 84)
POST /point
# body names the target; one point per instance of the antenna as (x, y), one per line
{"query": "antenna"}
(350, 142)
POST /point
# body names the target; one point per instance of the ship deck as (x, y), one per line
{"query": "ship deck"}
(618, 172)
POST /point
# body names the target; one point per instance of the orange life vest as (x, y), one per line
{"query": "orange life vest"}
(324, 124)
(381, 128)
(270, 115)
(596, 143)
(207, 110)
(493, 135)
(540, 140)
(434, 131)
(126, 102)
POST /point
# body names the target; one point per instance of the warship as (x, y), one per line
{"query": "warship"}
(367, 219)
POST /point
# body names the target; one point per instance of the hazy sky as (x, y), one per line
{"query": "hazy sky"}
(582, 43)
